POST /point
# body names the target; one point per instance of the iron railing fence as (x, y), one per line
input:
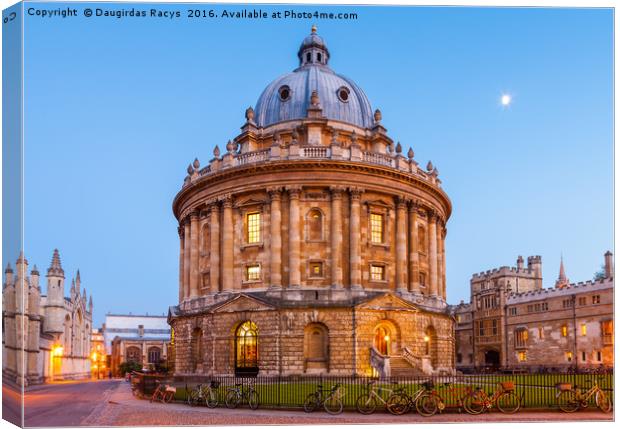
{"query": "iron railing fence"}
(536, 390)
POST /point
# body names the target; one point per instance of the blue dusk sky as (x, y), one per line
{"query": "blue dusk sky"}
(115, 109)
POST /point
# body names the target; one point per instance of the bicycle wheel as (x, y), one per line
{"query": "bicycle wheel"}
(192, 398)
(473, 403)
(427, 404)
(232, 399)
(167, 397)
(567, 401)
(211, 398)
(253, 399)
(366, 404)
(333, 405)
(398, 403)
(311, 403)
(508, 403)
(603, 402)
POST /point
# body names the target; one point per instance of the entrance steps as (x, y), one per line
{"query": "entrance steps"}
(400, 367)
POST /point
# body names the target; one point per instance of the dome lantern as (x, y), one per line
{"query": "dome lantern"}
(313, 50)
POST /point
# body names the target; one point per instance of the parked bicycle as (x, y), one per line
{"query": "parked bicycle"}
(367, 402)
(569, 399)
(504, 397)
(163, 393)
(236, 395)
(423, 401)
(453, 391)
(204, 394)
(330, 399)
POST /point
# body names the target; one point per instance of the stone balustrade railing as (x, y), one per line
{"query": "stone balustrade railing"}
(380, 363)
(233, 159)
(414, 360)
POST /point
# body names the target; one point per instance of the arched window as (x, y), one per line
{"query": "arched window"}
(246, 345)
(318, 57)
(383, 340)
(430, 344)
(316, 347)
(314, 225)
(133, 354)
(154, 354)
(197, 353)
(421, 239)
(308, 57)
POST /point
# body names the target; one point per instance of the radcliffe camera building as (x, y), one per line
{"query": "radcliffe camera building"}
(513, 322)
(312, 244)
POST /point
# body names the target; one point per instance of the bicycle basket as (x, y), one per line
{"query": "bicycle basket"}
(214, 384)
(564, 386)
(508, 385)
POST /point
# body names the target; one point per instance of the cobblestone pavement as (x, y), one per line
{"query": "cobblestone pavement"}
(123, 409)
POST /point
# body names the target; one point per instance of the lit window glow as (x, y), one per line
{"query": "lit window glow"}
(376, 228)
(253, 227)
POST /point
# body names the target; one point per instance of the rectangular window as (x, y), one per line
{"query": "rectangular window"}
(377, 273)
(522, 356)
(584, 330)
(459, 358)
(541, 333)
(569, 356)
(596, 299)
(583, 357)
(316, 269)
(513, 311)
(521, 337)
(582, 300)
(545, 306)
(480, 328)
(494, 326)
(567, 303)
(252, 273)
(599, 356)
(607, 329)
(253, 228)
(376, 228)
(565, 331)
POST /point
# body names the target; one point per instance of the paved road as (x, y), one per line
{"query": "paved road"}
(58, 404)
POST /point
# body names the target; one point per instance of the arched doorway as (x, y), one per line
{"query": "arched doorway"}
(430, 345)
(383, 339)
(246, 349)
(491, 358)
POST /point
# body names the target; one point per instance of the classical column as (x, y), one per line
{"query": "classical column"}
(414, 259)
(401, 244)
(194, 252)
(355, 232)
(294, 246)
(432, 252)
(443, 262)
(227, 245)
(336, 235)
(186, 260)
(439, 259)
(181, 231)
(276, 237)
(214, 252)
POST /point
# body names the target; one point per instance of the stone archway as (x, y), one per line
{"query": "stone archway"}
(492, 358)
(385, 338)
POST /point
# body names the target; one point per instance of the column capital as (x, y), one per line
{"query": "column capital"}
(401, 202)
(337, 191)
(227, 201)
(181, 231)
(432, 215)
(356, 193)
(213, 204)
(275, 193)
(414, 205)
(294, 192)
(194, 215)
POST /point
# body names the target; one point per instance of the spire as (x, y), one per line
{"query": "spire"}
(562, 281)
(72, 287)
(8, 269)
(77, 279)
(55, 267)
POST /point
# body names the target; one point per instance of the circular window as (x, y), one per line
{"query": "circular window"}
(343, 94)
(285, 93)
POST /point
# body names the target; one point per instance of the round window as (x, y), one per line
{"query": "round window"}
(343, 94)
(285, 93)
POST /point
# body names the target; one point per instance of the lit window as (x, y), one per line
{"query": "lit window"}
(596, 299)
(607, 328)
(376, 228)
(565, 331)
(522, 356)
(569, 356)
(541, 333)
(377, 273)
(316, 269)
(584, 329)
(253, 273)
(253, 227)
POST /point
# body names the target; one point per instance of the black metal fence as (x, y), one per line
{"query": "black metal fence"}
(535, 390)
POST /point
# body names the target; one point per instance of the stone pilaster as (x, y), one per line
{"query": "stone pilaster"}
(336, 235)
(214, 263)
(227, 245)
(432, 252)
(355, 232)
(193, 257)
(439, 259)
(294, 247)
(414, 259)
(181, 232)
(186, 258)
(443, 262)
(401, 244)
(275, 194)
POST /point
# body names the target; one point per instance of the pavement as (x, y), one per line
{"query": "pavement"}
(111, 403)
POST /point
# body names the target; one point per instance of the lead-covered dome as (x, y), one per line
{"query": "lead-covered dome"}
(288, 97)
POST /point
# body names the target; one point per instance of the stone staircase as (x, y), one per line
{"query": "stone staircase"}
(400, 367)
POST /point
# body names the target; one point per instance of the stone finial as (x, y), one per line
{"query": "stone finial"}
(314, 99)
(73, 286)
(277, 140)
(8, 269)
(378, 116)
(429, 166)
(354, 139)
(410, 154)
(190, 169)
(249, 114)
(313, 29)
(335, 138)
(295, 136)
(229, 146)
(196, 164)
(216, 151)
(84, 292)
(399, 148)
(55, 266)
(78, 280)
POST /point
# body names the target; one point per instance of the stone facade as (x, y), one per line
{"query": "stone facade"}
(45, 337)
(512, 322)
(312, 213)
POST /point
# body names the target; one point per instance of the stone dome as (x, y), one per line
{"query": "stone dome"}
(288, 97)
